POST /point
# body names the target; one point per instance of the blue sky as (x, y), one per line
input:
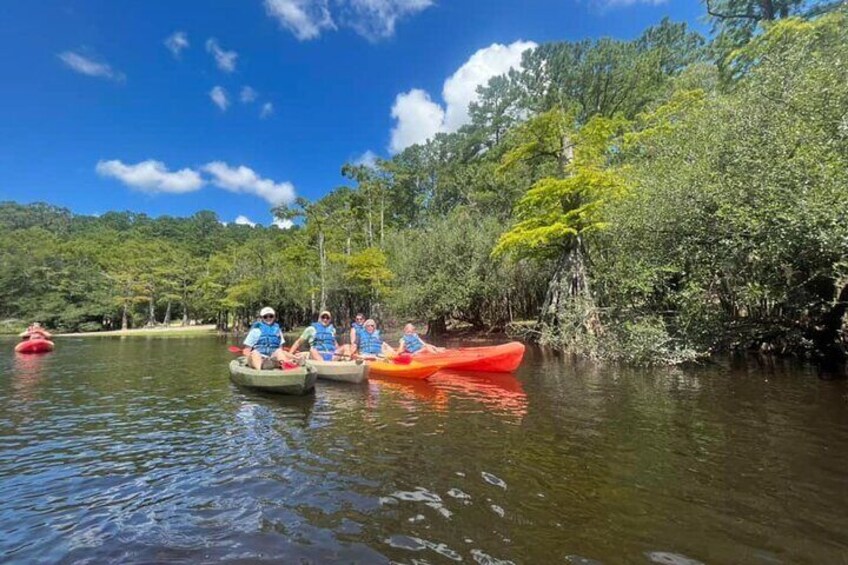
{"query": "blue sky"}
(143, 106)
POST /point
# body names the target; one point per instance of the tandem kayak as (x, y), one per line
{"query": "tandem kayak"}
(412, 370)
(343, 371)
(297, 381)
(34, 346)
(503, 358)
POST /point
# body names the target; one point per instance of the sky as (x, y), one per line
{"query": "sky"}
(235, 106)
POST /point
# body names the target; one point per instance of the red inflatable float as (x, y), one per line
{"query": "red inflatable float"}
(34, 346)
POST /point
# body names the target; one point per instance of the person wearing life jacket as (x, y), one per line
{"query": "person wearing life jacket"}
(412, 343)
(263, 345)
(35, 331)
(321, 337)
(356, 330)
(370, 344)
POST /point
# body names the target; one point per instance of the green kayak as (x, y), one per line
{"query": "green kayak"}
(343, 371)
(300, 380)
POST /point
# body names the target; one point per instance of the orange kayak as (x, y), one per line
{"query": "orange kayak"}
(503, 358)
(413, 370)
(34, 346)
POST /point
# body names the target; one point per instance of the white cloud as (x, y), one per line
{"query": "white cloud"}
(267, 110)
(304, 18)
(87, 66)
(244, 221)
(369, 159)
(176, 42)
(220, 98)
(248, 94)
(419, 118)
(244, 180)
(151, 176)
(372, 19)
(376, 19)
(283, 224)
(460, 89)
(226, 60)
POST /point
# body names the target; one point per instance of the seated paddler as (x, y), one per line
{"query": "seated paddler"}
(370, 344)
(412, 343)
(321, 337)
(263, 345)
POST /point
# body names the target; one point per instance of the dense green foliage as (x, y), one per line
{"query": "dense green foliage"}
(649, 200)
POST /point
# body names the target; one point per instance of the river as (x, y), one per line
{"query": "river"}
(141, 450)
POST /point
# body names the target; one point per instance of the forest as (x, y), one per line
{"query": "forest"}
(651, 201)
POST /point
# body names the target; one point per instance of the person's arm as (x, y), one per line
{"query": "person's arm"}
(401, 346)
(353, 341)
(250, 341)
(296, 345)
(303, 337)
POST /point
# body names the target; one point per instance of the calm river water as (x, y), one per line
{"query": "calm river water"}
(140, 450)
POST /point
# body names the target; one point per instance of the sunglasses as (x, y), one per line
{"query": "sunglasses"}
(325, 317)
(268, 317)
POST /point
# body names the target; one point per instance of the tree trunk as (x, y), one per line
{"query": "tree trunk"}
(323, 265)
(151, 313)
(167, 319)
(570, 284)
(185, 316)
(768, 9)
(437, 326)
(124, 318)
(826, 333)
(382, 216)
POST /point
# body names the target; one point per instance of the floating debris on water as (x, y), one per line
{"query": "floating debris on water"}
(498, 510)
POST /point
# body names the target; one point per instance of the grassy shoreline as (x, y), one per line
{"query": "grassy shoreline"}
(170, 330)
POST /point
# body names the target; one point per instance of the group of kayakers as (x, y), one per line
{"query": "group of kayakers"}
(264, 343)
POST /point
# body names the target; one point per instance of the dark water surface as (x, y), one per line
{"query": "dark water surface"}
(140, 449)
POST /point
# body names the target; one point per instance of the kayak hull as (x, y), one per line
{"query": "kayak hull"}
(414, 370)
(34, 346)
(297, 381)
(504, 358)
(341, 371)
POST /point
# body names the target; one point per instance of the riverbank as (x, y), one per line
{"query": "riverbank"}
(175, 331)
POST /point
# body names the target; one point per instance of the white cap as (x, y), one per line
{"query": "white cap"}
(267, 310)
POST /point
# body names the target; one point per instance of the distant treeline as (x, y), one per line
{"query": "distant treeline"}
(649, 201)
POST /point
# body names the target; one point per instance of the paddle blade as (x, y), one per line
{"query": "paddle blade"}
(234, 349)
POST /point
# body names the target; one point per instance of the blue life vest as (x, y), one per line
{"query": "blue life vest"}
(412, 343)
(324, 338)
(371, 343)
(359, 329)
(269, 339)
